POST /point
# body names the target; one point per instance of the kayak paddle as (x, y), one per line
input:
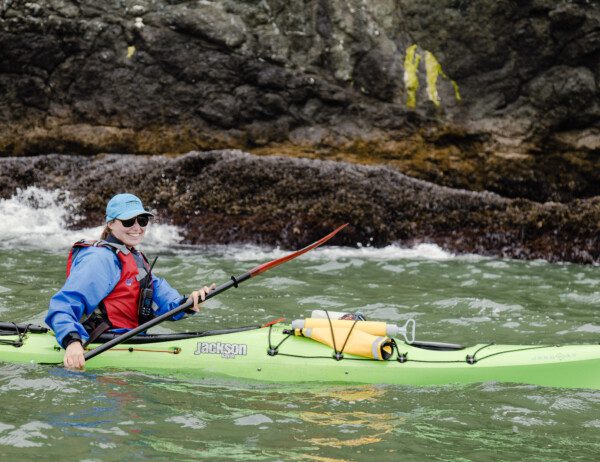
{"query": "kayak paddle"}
(234, 282)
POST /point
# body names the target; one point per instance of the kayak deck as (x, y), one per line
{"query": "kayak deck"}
(245, 355)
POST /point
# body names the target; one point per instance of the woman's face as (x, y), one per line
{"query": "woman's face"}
(129, 236)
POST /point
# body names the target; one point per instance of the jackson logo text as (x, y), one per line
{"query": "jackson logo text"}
(226, 350)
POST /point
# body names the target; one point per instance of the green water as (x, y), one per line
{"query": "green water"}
(52, 413)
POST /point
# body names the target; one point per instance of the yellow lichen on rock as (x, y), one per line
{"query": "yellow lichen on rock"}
(433, 69)
(456, 92)
(130, 51)
(411, 79)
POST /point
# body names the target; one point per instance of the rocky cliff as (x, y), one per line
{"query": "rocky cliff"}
(499, 95)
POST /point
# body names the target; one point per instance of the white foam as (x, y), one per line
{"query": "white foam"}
(187, 421)
(334, 253)
(588, 328)
(591, 299)
(37, 219)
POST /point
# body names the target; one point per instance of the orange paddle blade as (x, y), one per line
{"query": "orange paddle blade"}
(266, 266)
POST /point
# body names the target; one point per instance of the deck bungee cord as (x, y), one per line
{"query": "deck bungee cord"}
(356, 335)
(16, 343)
(12, 328)
(401, 357)
(469, 359)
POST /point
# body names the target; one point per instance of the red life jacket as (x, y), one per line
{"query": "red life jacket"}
(121, 306)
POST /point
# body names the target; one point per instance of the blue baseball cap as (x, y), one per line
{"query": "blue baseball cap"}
(125, 206)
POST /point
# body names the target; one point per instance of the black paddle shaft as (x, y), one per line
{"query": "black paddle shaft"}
(222, 288)
(153, 322)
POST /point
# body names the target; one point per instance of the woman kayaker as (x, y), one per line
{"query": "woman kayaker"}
(109, 284)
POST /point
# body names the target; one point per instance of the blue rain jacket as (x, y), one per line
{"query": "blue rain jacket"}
(95, 271)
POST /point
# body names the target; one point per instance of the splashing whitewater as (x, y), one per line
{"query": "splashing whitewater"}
(37, 219)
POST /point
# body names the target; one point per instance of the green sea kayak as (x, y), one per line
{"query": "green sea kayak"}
(272, 354)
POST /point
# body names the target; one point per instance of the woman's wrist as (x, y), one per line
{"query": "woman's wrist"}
(71, 337)
(189, 309)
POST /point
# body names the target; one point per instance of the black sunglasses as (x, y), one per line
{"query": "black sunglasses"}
(141, 219)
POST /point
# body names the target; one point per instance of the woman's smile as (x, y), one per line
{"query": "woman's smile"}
(131, 236)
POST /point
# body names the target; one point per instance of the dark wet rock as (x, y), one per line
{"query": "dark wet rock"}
(205, 21)
(229, 196)
(316, 78)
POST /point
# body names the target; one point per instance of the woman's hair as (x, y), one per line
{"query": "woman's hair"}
(105, 233)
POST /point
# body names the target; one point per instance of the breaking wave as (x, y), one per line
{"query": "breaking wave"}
(37, 219)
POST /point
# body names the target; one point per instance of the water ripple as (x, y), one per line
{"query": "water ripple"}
(23, 436)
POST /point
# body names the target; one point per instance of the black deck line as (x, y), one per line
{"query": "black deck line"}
(7, 328)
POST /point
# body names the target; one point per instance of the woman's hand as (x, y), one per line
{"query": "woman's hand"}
(200, 294)
(74, 356)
